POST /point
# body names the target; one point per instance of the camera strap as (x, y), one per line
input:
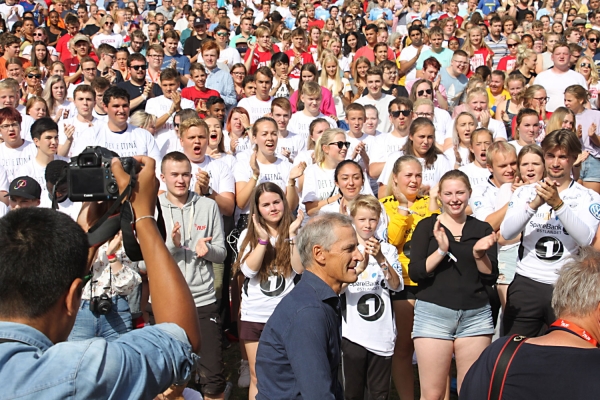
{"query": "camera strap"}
(111, 222)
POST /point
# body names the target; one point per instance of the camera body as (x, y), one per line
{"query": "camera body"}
(90, 177)
(101, 304)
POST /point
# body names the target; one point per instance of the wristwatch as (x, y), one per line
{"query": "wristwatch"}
(209, 193)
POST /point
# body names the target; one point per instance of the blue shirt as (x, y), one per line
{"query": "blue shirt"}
(183, 63)
(299, 350)
(221, 81)
(140, 364)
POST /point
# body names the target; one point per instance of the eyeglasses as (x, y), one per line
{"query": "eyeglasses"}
(585, 65)
(422, 92)
(396, 114)
(511, 45)
(341, 144)
(542, 99)
(36, 76)
(8, 126)
(592, 40)
(111, 55)
(138, 67)
(425, 115)
(238, 73)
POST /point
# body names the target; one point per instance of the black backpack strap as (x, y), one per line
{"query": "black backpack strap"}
(505, 357)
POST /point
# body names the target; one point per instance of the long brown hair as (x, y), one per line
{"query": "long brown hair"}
(408, 149)
(277, 259)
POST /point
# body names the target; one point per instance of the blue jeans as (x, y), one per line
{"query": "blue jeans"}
(111, 326)
(437, 322)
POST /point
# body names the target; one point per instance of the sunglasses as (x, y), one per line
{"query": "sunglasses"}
(341, 144)
(222, 34)
(176, 124)
(396, 114)
(38, 34)
(36, 76)
(109, 23)
(138, 67)
(422, 92)
(511, 45)
(592, 40)
(585, 65)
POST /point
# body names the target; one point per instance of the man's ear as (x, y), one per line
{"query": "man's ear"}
(73, 298)
(319, 254)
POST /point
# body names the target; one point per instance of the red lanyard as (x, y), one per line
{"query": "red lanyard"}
(562, 324)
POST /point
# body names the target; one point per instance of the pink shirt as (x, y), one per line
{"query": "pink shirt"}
(327, 104)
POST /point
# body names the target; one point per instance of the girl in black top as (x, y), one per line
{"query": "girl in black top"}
(455, 261)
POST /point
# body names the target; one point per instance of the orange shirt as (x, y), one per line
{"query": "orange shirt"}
(26, 64)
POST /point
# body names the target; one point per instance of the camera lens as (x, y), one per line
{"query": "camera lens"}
(112, 188)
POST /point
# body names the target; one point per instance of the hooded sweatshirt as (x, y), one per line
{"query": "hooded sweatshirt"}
(199, 218)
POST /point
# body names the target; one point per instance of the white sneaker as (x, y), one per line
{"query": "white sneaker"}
(244, 379)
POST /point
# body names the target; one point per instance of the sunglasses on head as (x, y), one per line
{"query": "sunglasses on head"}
(138, 67)
(341, 144)
(396, 114)
(422, 92)
(36, 76)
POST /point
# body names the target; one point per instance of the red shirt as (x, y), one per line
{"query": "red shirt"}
(72, 65)
(459, 20)
(366, 51)
(62, 46)
(479, 58)
(506, 63)
(316, 22)
(195, 95)
(305, 58)
(260, 59)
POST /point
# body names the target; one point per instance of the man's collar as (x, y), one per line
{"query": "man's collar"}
(12, 331)
(323, 290)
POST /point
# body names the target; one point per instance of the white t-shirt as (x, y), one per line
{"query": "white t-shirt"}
(66, 105)
(382, 225)
(319, 184)
(159, 106)
(4, 182)
(13, 159)
(407, 54)
(221, 177)
(115, 40)
(369, 140)
(255, 107)
(431, 175)
(516, 145)
(259, 299)
(300, 123)
(36, 171)
(72, 209)
(26, 127)
(555, 85)
(292, 142)
(550, 238)
(103, 118)
(3, 209)
(6, 10)
(384, 145)
(367, 318)
(51, 50)
(168, 142)
(244, 143)
(384, 125)
(80, 127)
(306, 156)
(476, 174)
(496, 127)
(462, 151)
(441, 120)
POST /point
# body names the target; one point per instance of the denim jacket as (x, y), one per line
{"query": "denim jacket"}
(138, 365)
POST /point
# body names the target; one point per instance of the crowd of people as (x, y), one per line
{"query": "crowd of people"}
(459, 139)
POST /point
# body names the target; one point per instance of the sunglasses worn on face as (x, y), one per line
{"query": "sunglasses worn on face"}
(592, 40)
(341, 144)
(422, 92)
(396, 114)
(36, 76)
(222, 34)
(138, 67)
(510, 45)
(585, 65)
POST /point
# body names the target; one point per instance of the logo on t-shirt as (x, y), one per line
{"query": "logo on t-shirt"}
(595, 210)
(370, 307)
(273, 286)
(549, 249)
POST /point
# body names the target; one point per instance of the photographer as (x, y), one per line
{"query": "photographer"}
(104, 310)
(43, 260)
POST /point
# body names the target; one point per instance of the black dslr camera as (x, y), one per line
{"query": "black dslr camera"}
(101, 304)
(90, 177)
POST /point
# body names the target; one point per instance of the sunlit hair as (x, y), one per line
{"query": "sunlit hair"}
(558, 116)
(530, 93)
(235, 110)
(498, 147)
(367, 201)
(563, 139)
(336, 82)
(35, 99)
(530, 149)
(311, 144)
(579, 92)
(457, 175)
(47, 94)
(415, 127)
(142, 119)
(456, 137)
(593, 70)
(324, 140)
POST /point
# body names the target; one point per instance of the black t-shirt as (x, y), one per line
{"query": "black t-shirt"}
(537, 372)
(192, 44)
(136, 91)
(118, 73)
(90, 30)
(52, 38)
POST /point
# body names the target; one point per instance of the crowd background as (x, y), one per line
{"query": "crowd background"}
(449, 123)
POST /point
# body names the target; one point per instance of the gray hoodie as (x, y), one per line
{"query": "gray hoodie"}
(199, 218)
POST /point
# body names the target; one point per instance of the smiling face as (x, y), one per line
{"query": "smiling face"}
(333, 152)
(271, 207)
(477, 104)
(47, 143)
(568, 122)
(531, 168)
(504, 167)
(266, 138)
(350, 181)
(496, 84)
(558, 163)
(454, 196)
(282, 117)
(37, 110)
(365, 222)
(118, 111)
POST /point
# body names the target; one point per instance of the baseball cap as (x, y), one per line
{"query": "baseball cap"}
(200, 21)
(26, 187)
(579, 21)
(80, 37)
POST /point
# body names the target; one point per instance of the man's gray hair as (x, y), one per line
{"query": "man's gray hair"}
(577, 290)
(321, 231)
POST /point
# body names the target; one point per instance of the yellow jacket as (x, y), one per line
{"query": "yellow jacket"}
(401, 227)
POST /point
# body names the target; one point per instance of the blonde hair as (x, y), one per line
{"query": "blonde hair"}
(523, 53)
(191, 123)
(456, 137)
(593, 69)
(142, 119)
(498, 147)
(367, 201)
(557, 118)
(397, 168)
(311, 89)
(468, 47)
(478, 92)
(47, 94)
(335, 84)
(423, 101)
(324, 140)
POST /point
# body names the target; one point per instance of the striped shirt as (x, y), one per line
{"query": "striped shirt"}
(499, 48)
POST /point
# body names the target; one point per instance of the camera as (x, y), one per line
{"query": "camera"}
(101, 304)
(90, 177)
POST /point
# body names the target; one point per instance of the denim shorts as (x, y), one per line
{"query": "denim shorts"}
(590, 170)
(111, 326)
(507, 264)
(437, 322)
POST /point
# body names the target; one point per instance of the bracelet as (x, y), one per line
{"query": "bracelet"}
(255, 177)
(291, 183)
(263, 242)
(559, 206)
(441, 252)
(384, 266)
(144, 217)
(114, 260)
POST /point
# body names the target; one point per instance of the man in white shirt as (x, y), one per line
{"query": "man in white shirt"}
(12, 12)
(163, 107)
(260, 105)
(559, 77)
(410, 54)
(288, 144)
(100, 86)
(376, 97)
(88, 68)
(71, 129)
(14, 151)
(311, 97)
(44, 133)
